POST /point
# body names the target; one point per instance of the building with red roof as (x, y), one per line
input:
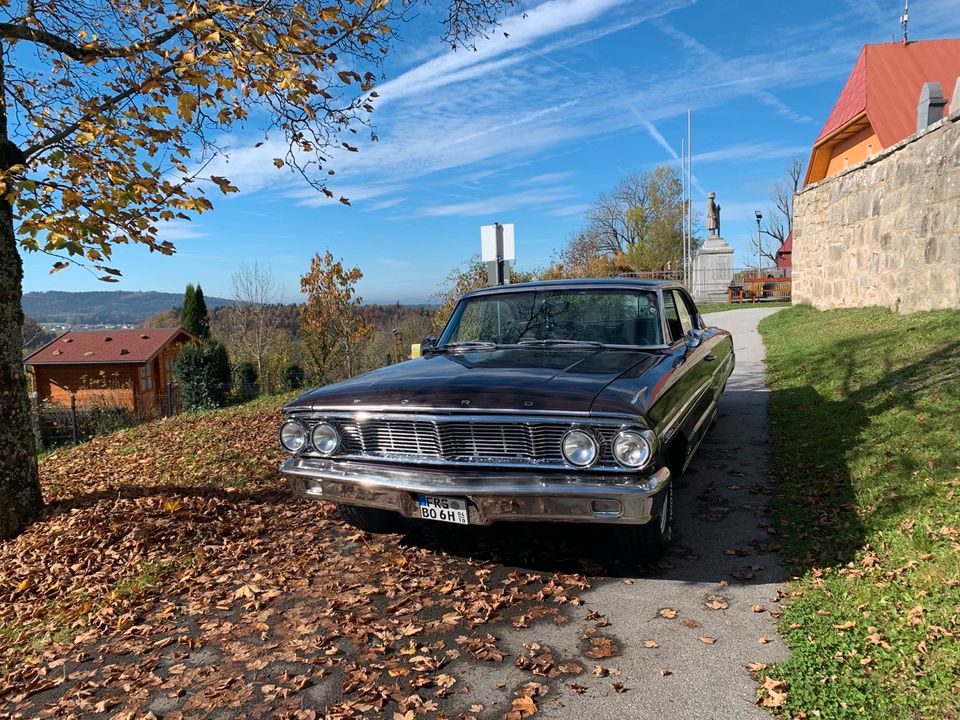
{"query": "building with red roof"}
(126, 368)
(785, 253)
(878, 106)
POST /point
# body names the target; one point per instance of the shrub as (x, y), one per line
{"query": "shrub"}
(292, 377)
(203, 375)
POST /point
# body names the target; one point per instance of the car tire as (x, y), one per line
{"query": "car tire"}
(371, 519)
(649, 542)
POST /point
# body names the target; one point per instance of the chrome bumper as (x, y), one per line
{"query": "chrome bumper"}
(491, 496)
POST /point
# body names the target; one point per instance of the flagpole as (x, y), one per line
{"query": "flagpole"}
(690, 191)
(683, 207)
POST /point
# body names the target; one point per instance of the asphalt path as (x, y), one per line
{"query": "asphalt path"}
(721, 580)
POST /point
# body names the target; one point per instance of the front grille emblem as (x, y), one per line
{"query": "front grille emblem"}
(464, 403)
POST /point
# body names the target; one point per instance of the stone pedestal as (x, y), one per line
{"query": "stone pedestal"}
(712, 270)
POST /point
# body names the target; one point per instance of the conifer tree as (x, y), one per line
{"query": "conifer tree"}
(202, 329)
(188, 311)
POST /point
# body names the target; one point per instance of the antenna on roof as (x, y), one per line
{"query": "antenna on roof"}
(905, 19)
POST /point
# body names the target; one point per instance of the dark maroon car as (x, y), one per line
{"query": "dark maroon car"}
(565, 401)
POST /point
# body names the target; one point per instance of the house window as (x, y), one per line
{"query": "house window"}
(146, 377)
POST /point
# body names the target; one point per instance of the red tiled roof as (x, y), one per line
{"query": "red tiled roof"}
(886, 81)
(785, 253)
(787, 245)
(104, 346)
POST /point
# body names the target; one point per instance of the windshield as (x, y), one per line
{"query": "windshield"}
(610, 317)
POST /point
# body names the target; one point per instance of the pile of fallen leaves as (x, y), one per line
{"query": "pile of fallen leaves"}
(173, 574)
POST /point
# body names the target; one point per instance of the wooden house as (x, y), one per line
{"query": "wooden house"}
(121, 368)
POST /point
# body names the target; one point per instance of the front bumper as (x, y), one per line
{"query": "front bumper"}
(491, 495)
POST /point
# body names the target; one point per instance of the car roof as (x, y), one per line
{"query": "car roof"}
(606, 282)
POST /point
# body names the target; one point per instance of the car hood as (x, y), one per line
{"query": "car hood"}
(522, 379)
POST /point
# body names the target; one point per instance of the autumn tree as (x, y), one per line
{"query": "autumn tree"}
(636, 226)
(332, 328)
(113, 109)
(641, 220)
(585, 255)
(469, 275)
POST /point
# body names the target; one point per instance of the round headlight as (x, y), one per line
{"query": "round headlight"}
(631, 449)
(292, 436)
(579, 448)
(325, 438)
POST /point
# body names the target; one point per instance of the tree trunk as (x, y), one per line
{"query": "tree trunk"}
(20, 498)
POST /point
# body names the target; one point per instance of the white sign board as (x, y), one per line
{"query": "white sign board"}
(488, 243)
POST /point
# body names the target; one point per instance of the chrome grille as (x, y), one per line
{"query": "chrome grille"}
(449, 439)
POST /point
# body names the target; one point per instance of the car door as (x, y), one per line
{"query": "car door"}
(697, 359)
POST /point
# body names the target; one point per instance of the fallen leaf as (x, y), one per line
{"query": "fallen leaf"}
(668, 613)
(774, 693)
(706, 639)
(651, 644)
(716, 602)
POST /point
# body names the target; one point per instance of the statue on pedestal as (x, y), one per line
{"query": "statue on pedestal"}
(713, 215)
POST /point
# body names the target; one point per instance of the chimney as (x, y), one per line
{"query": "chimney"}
(930, 108)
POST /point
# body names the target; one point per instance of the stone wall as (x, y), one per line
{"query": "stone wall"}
(886, 232)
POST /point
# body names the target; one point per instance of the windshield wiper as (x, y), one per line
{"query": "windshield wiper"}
(558, 341)
(467, 345)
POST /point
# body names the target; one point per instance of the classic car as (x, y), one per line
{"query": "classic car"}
(567, 401)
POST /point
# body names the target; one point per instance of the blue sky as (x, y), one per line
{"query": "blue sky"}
(529, 130)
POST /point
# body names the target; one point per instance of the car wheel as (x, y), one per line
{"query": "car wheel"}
(649, 542)
(371, 519)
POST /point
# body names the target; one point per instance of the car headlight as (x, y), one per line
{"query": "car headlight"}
(292, 436)
(579, 448)
(325, 438)
(632, 449)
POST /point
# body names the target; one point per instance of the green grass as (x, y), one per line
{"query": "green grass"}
(865, 410)
(708, 308)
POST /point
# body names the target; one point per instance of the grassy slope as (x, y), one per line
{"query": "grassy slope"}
(866, 430)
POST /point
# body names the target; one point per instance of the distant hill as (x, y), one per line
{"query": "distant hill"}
(103, 307)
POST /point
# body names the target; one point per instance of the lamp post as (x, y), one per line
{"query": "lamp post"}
(759, 218)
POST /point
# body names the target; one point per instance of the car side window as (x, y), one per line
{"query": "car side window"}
(695, 318)
(672, 315)
(686, 320)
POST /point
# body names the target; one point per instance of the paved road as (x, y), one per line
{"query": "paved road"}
(720, 509)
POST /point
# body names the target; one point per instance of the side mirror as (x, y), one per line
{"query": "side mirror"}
(429, 343)
(694, 337)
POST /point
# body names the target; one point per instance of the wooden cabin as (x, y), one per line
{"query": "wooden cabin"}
(120, 368)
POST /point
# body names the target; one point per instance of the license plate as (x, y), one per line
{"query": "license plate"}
(444, 509)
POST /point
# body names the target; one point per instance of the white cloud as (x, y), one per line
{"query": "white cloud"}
(569, 210)
(176, 230)
(515, 32)
(497, 204)
(484, 113)
(545, 178)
